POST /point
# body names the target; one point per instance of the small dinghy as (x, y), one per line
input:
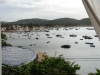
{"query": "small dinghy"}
(65, 46)
(88, 43)
(91, 45)
(76, 42)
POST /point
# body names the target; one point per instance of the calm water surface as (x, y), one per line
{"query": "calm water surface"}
(17, 56)
(84, 55)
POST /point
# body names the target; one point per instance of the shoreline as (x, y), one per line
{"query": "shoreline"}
(12, 31)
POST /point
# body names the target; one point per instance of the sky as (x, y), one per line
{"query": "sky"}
(13, 10)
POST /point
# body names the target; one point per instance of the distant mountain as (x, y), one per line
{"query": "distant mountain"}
(60, 21)
(27, 21)
(85, 21)
(63, 21)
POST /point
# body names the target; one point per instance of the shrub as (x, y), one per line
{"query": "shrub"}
(48, 66)
(3, 37)
(97, 72)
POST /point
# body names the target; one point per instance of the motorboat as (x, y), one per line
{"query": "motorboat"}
(49, 37)
(76, 42)
(88, 43)
(87, 37)
(72, 35)
(58, 35)
(81, 39)
(65, 46)
(61, 37)
(96, 35)
(47, 34)
(91, 45)
(37, 38)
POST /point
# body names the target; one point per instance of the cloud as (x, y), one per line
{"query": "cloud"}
(46, 9)
(6, 1)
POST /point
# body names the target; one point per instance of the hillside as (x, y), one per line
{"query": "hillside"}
(27, 21)
(63, 21)
(85, 21)
(60, 21)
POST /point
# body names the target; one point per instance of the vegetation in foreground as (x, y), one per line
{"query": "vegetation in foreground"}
(96, 73)
(3, 40)
(48, 66)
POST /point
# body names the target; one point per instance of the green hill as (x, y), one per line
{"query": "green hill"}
(63, 21)
(85, 21)
(60, 21)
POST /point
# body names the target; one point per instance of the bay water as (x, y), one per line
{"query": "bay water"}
(82, 54)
